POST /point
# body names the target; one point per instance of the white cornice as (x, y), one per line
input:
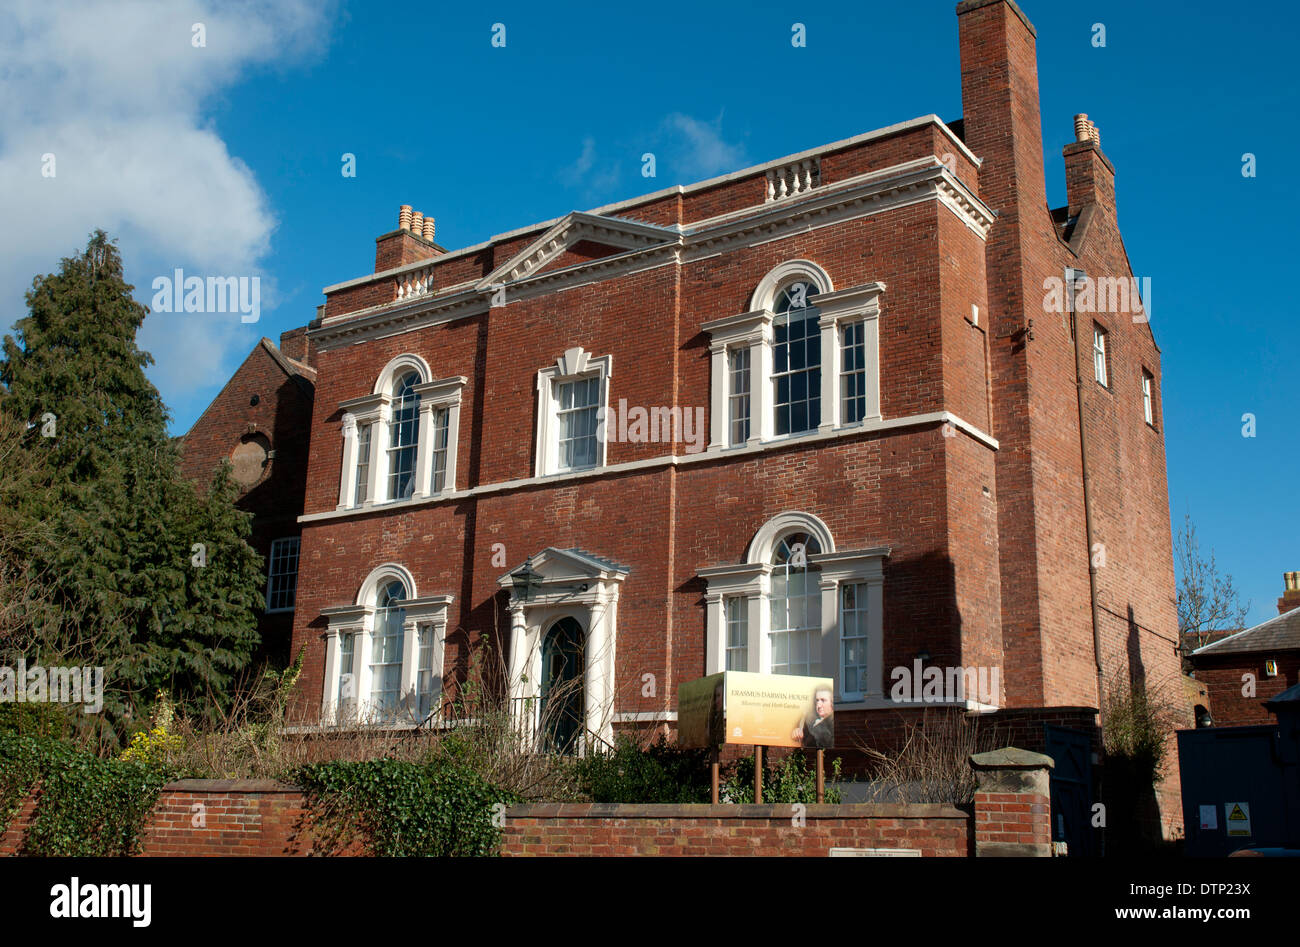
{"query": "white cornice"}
(676, 189)
(909, 183)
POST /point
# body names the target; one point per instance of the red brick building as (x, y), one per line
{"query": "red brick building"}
(867, 405)
(1243, 671)
(260, 422)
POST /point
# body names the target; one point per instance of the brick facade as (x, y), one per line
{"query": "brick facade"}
(972, 476)
(268, 441)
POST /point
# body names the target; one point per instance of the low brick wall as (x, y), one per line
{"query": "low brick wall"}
(595, 829)
(228, 817)
(206, 817)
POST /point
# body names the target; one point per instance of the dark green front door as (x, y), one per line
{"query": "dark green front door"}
(563, 709)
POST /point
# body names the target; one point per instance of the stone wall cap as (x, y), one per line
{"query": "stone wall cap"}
(1011, 757)
(230, 785)
(859, 810)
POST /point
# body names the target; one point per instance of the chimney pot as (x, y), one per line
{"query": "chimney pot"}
(428, 229)
(1081, 124)
(417, 223)
(404, 217)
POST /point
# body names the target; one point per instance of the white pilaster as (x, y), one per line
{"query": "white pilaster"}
(719, 389)
(347, 481)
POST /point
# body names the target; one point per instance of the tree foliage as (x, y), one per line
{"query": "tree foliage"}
(1207, 600)
(104, 525)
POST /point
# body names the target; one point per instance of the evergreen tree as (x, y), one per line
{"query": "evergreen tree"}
(118, 556)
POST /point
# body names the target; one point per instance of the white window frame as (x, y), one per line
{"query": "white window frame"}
(736, 617)
(1100, 368)
(1148, 397)
(422, 615)
(751, 581)
(740, 404)
(574, 365)
(376, 410)
(754, 330)
(392, 450)
(271, 559)
(862, 608)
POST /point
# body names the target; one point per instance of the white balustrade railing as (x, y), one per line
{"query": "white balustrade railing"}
(791, 179)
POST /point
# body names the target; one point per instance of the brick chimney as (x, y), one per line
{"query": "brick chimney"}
(295, 345)
(1291, 592)
(1089, 175)
(1000, 110)
(411, 241)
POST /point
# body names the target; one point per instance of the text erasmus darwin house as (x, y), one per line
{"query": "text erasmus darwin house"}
(891, 462)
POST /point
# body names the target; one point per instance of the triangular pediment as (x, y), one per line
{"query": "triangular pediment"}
(576, 239)
(567, 565)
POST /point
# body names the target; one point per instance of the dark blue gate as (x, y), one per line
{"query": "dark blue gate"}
(1071, 787)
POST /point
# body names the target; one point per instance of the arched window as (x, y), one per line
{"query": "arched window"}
(803, 359)
(795, 603)
(386, 651)
(400, 441)
(796, 360)
(404, 437)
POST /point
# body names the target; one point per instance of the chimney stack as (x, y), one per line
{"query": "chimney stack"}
(1291, 593)
(411, 241)
(1089, 175)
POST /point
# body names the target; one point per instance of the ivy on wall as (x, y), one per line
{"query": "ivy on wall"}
(86, 806)
(395, 807)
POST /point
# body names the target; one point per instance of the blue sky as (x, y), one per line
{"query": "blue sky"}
(226, 159)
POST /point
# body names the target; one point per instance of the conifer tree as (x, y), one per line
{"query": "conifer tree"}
(159, 578)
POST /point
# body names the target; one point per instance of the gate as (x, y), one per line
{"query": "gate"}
(1071, 787)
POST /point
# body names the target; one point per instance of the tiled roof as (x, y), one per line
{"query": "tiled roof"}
(1280, 633)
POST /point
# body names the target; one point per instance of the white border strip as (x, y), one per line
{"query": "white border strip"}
(725, 453)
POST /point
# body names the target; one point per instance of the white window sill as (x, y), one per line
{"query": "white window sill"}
(711, 453)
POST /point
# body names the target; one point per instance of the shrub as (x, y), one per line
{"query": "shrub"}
(396, 807)
(660, 773)
(933, 763)
(87, 806)
(789, 781)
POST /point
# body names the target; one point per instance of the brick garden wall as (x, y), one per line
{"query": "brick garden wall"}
(238, 817)
(203, 817)
(593, 829)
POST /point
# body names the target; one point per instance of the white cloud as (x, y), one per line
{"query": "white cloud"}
(696, 150)
(595, 183)
(116, 92)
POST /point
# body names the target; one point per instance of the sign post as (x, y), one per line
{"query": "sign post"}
(757, 710)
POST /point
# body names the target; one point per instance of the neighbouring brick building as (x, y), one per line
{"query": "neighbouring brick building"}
(260, 422)
(865, 405)
(1243, 671)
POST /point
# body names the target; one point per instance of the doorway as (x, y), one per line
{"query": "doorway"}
(563, 699)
